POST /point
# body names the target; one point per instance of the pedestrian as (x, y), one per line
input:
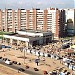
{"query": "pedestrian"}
(37, 63)
(18, 71)
(4, 54)
(65, 71)
(68, 64)
(68, 73)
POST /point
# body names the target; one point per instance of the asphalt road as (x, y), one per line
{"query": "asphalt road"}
(13, 66)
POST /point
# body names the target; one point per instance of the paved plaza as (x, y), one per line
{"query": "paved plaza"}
(46, 63)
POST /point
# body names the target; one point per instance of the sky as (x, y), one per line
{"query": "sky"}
(42, 4)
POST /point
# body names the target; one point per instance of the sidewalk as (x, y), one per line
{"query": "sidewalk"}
(9, 71)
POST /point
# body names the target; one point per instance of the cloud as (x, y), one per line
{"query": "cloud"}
(39, 3)
(20, 2)
(60, 3)
(42, 4)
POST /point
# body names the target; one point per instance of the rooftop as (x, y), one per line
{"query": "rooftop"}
(23, 36)
(34, 31)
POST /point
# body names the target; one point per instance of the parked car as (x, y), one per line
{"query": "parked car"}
(15, 62)
(45, 72)
(36, 69)
(18, 63)
(7, 46)
(4, 59)
(8, 62)
(0, 57)
(21, 69)
(65, 46)
(27, 66)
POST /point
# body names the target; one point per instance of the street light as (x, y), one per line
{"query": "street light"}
(24, 55)
(2, 37)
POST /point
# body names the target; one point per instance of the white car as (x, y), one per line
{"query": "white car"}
(8, 62)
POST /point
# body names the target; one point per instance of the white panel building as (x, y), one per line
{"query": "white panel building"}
(30, 37)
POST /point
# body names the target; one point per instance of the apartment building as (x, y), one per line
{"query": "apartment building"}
(15, 21)
(62, 21)
(7, 20)
(35, 19)
(48, 20)
(0, 19)
(70, 21)
(40, 15)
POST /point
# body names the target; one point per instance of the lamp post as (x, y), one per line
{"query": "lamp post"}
(2, 37)
(24, 55)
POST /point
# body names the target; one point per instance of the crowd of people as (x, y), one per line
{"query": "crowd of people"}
(54, 51)
(66, 56)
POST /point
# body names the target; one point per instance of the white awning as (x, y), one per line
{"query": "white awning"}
(16, 38)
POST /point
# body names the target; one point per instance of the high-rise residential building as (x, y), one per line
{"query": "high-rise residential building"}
(70, 21)
(0, 19)
(36, 19)
(48, 20)
(26, 19)
(62, 21)
(8, 20)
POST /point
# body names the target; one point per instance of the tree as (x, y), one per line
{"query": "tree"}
(69, 21)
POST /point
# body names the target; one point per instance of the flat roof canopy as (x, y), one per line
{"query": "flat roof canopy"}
(34, 33)
(28, 35)
(16, 38)
(21, 37)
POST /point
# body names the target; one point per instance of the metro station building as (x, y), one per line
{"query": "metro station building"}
(30, 38)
